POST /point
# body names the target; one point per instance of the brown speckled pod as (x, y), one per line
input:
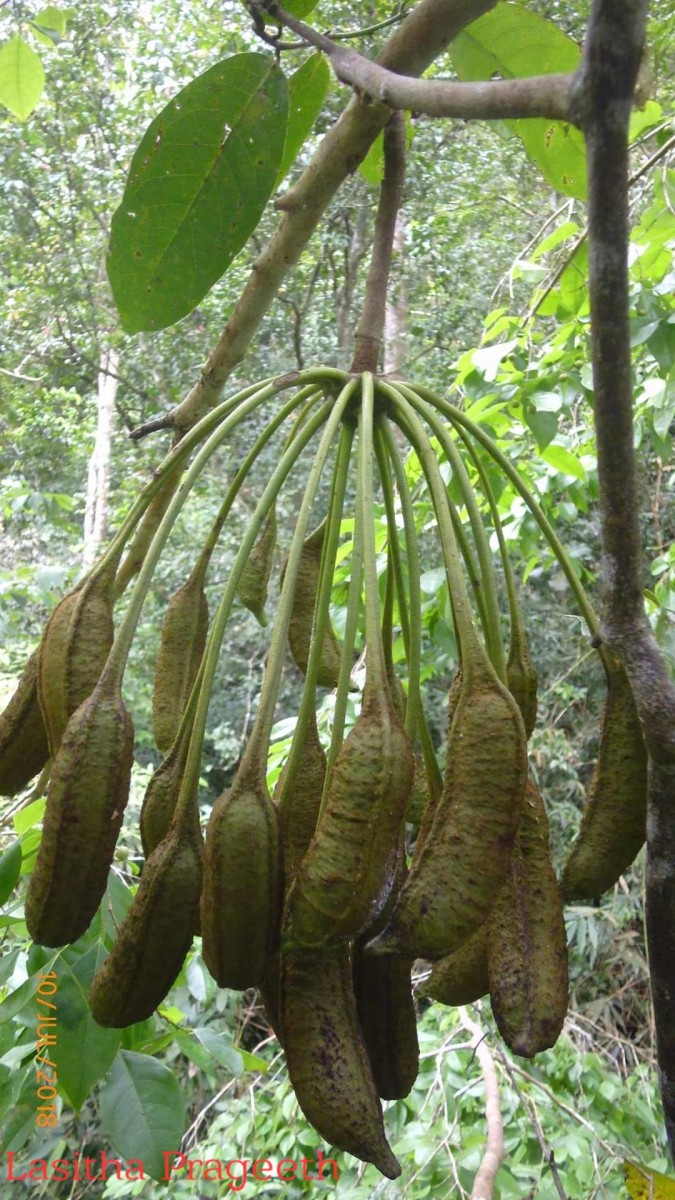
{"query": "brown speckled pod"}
(462, 861)
(613, 827)
(73, 651)
(154, 937)
(521, 678)
(526, 944)
(243, 884)
(23, 737)
(161, 795)
(183, 639)
(385, 1006)
(298, 806)
(255, 577)
(326, 1055)
(461, 977)
(428, 811)
(302, 614)
(346, 865)
(87, 794)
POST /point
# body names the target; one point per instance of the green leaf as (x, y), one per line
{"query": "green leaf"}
(220, 1047)
(300, 8)
(544, 425)
(512, 42)
(10, 870)
(54, 18)
(30, 816)
(307, 89)
(197, 186)
(22, 77)
(564, 461)
(142, 1111)
(84, 1050)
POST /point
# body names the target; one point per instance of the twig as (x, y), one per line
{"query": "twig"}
(141, 431)
(547, 1154)
(494, 1153)
(495, 99)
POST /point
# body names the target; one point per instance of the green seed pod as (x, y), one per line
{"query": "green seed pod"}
(613, 827)
(521, 678)
(326, 1056)
(298, 806)
(419, 795)
(302, 614)
(154, 937)
(183, 639)
(461, 977)
(73, 652)
(255, 577)
(526, 942)
(463, 859)
(243, 884)
(161, 795)
(23, 737)
(87, 794)
(346, 865)
(428, 812)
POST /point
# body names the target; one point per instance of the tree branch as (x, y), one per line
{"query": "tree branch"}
(371, 322)
(424, 34)
(498, 99)
(494, 1153)
(602, 103)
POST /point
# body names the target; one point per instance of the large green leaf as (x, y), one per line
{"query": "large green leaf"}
(514, 42)
(142, 1111)
(10, 869)
(84, 1050)
(22, 77)
(307, 89)
(197, 186)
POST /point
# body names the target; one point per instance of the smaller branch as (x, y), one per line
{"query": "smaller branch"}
(154, 426)
(498, 99)
(371, 322)
(20, 377)
(494, 1153)
(531, 1111)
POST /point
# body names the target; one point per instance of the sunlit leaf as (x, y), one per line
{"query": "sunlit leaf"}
(643, 1184)
(197, 186)
(22, 77)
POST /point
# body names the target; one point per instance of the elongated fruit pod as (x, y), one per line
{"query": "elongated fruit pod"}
(73, 651)
(243, 884)
(154, 937)
(302, 614)
(526, 943)
(461, 977)
(298, 806)
(255, 577)
(428, 811)
(24, 749)
(346, 865)
(613, 827)
(87, 794)
(182, 643)
(161, 795)
(462, 861)
(521, 678)
(385, 1005)
(326, 1055)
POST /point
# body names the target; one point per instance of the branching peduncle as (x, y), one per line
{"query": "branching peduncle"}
(371, 322)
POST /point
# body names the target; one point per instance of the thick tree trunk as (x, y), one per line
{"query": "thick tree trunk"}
(98, 479)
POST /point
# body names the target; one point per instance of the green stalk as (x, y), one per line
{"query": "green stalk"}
(322, 611)
(211, 654)
(346, 662)
(459, 419)
(411, 630)
(493, 630)
(518, 637)
(376, 672)
(474, 656)
(467, 554)
(256, 753)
